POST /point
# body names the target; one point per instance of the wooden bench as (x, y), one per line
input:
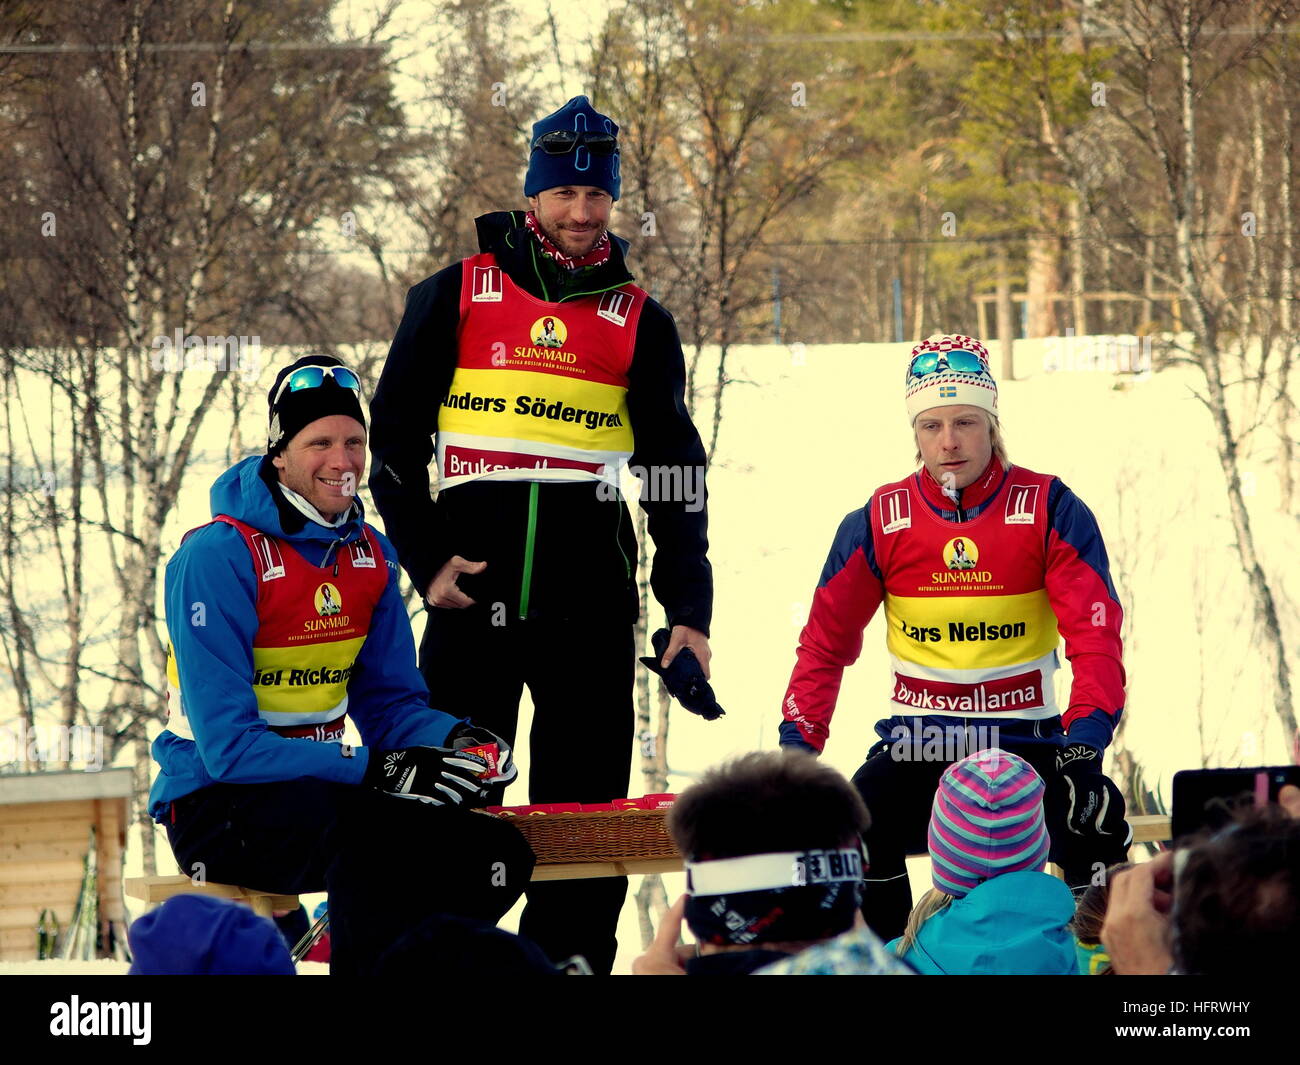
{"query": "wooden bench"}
(155, 889)
(1147, 828)
(592, 870)
(1151, 828)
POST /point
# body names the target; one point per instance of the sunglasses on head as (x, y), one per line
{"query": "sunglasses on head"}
(928, 362)
(563, 141)
(314, 376)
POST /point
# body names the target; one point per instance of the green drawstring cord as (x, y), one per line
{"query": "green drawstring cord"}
(528, 551)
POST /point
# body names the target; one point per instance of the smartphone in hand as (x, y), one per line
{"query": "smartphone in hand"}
(1208, 798)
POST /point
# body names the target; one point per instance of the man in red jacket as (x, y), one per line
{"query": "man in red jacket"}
(982, 567)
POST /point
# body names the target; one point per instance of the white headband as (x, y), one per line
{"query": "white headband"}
(768, 872)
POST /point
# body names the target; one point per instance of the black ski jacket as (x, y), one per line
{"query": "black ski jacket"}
(583, 555)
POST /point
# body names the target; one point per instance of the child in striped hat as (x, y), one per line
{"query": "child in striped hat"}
(993, 909)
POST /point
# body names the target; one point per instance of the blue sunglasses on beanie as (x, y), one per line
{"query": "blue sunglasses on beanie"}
(316, 386)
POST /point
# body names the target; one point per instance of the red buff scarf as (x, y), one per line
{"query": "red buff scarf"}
(597, 255)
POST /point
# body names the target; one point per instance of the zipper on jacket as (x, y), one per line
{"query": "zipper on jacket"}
(332, 550)
(546, 295)
(526, 586)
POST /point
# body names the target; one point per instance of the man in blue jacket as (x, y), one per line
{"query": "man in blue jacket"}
(284, 618)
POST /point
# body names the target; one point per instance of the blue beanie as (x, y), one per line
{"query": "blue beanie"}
(578, 167)
(198, 935)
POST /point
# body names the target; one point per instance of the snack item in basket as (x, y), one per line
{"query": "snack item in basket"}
(658, 802)
(597, 807)
(489, 754)
(627, 804)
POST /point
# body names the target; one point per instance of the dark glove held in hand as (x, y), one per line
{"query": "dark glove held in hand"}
(1094, 804)
(684, 678)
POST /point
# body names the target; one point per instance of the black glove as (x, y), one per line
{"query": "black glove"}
(467, 735)
(437, 775)
(1094, 804)
(684, 678)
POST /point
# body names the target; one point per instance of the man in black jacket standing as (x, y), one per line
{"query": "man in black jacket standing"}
(536, 371)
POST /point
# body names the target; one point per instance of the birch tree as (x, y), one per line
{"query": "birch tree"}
(185, 159)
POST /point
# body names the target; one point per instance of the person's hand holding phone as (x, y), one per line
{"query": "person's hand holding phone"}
(1289, 799)
(1136, 930)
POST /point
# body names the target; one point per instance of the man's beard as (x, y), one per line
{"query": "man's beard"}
(591, 236)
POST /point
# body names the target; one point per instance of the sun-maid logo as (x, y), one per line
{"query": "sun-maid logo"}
(549, 332)
(961, 553)
(328, 601)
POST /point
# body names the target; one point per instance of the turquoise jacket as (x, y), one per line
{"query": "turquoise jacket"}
(1014, 924)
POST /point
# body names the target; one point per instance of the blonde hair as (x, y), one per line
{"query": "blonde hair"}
(931, 903)
(996, 439)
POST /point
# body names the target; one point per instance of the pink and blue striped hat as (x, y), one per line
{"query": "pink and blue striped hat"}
(987, 820)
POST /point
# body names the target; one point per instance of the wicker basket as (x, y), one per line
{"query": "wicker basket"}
(598, 836)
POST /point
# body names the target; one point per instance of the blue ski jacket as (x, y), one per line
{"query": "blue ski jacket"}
(387, 697)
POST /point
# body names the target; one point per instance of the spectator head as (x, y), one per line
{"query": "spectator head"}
(1089, 916)
(773, 846)
(1237, 896)
(987, 820)
(198, 935)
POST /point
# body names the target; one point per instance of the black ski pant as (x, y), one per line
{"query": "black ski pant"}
(579, 674)
(387, 863)
(898, 789)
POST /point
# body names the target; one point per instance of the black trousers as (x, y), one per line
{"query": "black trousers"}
(898, 789)
(387, 863)
(579, 674)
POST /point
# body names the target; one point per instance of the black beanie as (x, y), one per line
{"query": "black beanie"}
(297, 410)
